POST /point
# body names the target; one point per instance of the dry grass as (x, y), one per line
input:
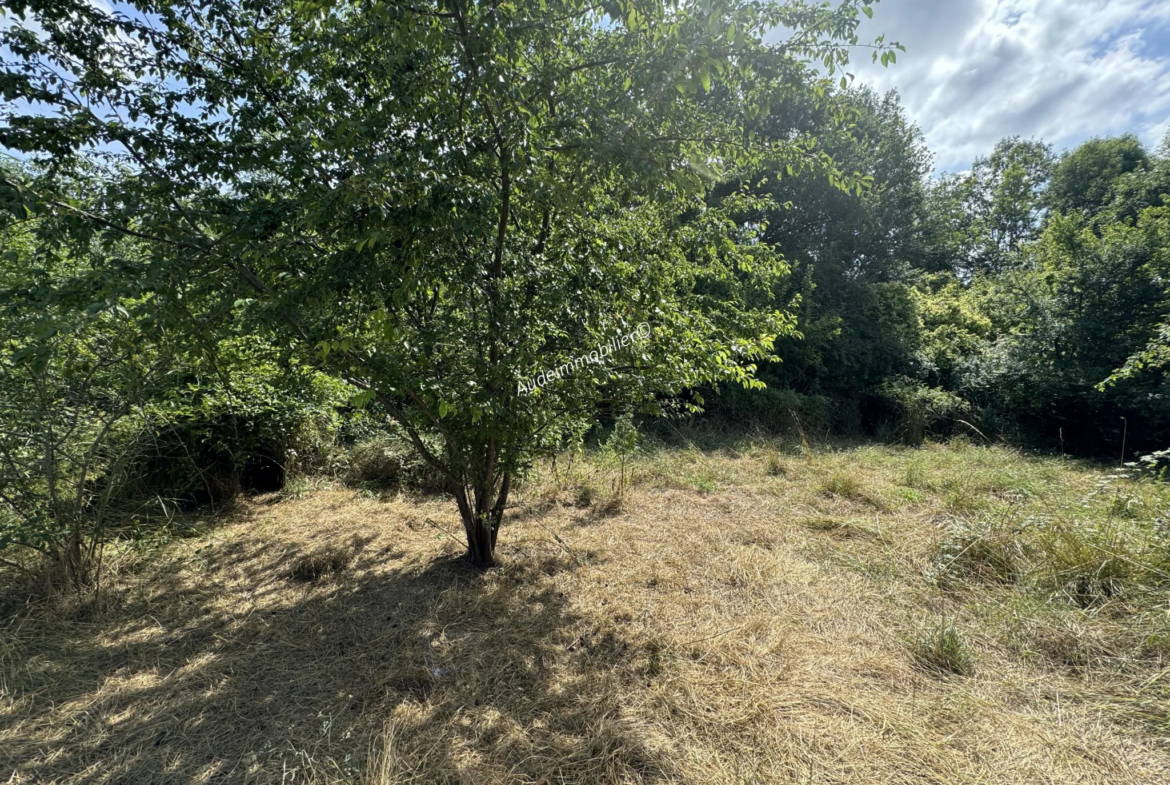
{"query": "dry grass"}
(741, 617)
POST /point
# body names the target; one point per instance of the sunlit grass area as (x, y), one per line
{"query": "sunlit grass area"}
(737, 610)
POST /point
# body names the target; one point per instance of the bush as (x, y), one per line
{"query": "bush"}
(918, 408)
(74, 389)
(245, 425)
(373, 463)
(388, 461)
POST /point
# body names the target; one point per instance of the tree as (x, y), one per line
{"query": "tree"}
(853, 253)
(1000, 203)
(1132, 192)
(436, 200)
(1085, 301)
(953, 327)
(1084, 179)
(1154, 224)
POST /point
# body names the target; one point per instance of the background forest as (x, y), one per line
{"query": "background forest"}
(1023, 300)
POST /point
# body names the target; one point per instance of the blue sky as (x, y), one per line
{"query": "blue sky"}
(1060, 70)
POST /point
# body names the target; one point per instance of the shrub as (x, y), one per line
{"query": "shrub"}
(919, 407)
(373, 463)
(73, 393)
(389, 462)
(620, 449)
(244, 425)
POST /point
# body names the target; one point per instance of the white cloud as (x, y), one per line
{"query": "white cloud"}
(1061, 70)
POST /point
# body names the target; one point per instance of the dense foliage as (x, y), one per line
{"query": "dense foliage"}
(1025, 299)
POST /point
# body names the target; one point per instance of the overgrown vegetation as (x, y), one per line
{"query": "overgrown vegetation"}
(518, 184)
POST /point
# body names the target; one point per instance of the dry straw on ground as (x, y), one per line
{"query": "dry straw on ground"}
(738, 619)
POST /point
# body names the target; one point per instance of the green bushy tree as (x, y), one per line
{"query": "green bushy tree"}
(985, 216)
(953, 328)
(239, 415)
(434, 200)
(1085, 179)
(1030, 332)
(79, 362)
(1086, 302)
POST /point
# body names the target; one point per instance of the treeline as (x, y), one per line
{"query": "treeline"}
(1023, 300)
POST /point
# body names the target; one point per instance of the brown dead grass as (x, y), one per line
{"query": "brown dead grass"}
(727, 623)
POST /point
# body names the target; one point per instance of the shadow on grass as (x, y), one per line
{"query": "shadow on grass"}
(221, 670)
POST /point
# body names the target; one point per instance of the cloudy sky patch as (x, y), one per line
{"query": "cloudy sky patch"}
(1060, 70)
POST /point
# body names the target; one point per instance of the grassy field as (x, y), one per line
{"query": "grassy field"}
(744, 612)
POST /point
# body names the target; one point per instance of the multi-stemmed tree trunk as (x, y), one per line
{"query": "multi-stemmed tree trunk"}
(482, 511)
